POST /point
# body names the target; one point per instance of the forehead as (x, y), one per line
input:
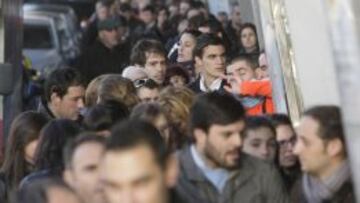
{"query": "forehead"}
(237, 65)
(247, 30)
(152, 56)
(128, 164)
(76, 91)
(236, 126)
(308, 128)
(214, 49)
(187, 37)
(262, 133)
(88, 153)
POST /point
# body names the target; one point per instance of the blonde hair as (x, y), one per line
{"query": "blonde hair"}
(115, 87)
(91, 93)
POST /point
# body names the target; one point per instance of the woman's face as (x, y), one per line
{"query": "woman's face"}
(161, 123)
(248, 38)
(260, 143)
(29, 151)
(177, 81)
(186, 46)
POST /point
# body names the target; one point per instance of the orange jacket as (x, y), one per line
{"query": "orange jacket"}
(256, 88)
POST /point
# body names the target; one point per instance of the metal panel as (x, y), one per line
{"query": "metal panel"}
(11, 13)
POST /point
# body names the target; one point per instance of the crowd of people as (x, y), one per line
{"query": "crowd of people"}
(169, 103)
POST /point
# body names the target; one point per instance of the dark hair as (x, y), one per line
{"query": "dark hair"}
(83, 138)
(175, 70)
(256, 122)
(150, 8)
(253, 27)
(24, 129)
(142, 47)
(196, 21)
(60, 80)
(147, 111)
(330, 123)
(193, 32)
(104, 115)
(133, 133)
(251, 61)
(197, 4)
(215, 108)
(37, 191)
(124, 7)
(280, 119)
(53, 138)
(205, 40)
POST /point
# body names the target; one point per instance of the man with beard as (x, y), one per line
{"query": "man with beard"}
(212, 168)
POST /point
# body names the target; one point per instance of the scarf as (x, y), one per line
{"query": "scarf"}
(316, 191)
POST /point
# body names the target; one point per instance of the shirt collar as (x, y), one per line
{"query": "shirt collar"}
(215, 85)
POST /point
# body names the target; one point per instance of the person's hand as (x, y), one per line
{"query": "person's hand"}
(234, 83)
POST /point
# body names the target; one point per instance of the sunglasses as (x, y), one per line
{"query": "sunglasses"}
(139, 83)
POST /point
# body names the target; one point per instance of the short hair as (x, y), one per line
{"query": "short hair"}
(104, 115)
(142, 48)
(147, 83)
(176, 70)
(329, 119)
(205, 40)
(215, 108)
(278, 119)
(83, 138)
(256, 122)
(133, 133)
(251, 61)
(149, 8)
(60, 80)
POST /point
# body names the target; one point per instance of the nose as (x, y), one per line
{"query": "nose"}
(237, 140)
(264, 151)
(297, 148)
(80, 103)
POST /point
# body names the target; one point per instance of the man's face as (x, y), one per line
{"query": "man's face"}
(102, 12)
(84, 174)
(241, 69)
(221, 145)
(286, 138)
(235, 15)
(155, 67)
(263, 70)
(260, 143)
(148, 95)
(70, 104)
(312, 151)
(110, 38)
(213, 60)
(132, 175)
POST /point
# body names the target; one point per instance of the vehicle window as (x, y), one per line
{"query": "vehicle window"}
(37, 37)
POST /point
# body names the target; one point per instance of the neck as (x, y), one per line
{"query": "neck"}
(328, 171)
(208, 80)
(250, 50)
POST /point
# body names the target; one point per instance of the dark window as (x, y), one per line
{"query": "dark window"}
(37, 37)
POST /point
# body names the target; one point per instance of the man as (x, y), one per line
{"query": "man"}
(82, 157)
(147, 90)
(322, 153)
(212, 169)
(106, 55)
(64, 94)
(136, 165)
(233, 27)
(209, 54)
(148, 28)
(151, 55)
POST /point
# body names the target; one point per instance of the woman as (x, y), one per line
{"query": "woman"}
(248, 39)
(185, 56)
(20, 150)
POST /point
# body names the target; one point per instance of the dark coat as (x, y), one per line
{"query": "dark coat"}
(195, 86)
(254, 182)
(344, 195)
(99, 59)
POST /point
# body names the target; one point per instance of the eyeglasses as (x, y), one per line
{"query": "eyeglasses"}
(139, 83)
(285, 143)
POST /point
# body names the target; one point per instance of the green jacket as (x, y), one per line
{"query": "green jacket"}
(253, 182)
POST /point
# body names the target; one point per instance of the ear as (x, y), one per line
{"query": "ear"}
(54, 98)
(198, 61)
(172, 171)
(335, 147)
(67, 176)
(200, 137)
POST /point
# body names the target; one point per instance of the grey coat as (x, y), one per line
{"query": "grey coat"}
(254, 182)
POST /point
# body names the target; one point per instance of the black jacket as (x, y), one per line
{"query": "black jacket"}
(195, 86)
(99, 59)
